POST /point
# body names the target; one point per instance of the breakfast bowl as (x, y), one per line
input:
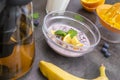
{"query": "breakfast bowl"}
(70, 34)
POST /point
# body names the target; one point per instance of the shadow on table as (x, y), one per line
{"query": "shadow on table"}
(90, 15)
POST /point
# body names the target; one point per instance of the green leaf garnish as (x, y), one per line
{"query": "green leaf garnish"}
(78, 17)
(35, 15)
(72, 33)
(60, 33)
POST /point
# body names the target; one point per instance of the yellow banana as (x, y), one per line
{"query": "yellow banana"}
(102, 74)
(52, 72)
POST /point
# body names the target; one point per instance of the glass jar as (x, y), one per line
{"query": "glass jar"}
(16, 41)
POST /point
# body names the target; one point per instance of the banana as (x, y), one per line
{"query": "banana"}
(52, 72)
(102, 74)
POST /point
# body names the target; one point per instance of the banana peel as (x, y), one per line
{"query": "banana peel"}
(52, 72)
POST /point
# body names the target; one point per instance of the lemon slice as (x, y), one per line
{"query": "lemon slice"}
(52, 31)
(74, 41)
(80, 44)
(67, 39)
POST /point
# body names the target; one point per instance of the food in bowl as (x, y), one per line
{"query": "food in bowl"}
(73, 38)
(70, 34)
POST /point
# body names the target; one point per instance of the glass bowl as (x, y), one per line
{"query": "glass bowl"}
(88, 33)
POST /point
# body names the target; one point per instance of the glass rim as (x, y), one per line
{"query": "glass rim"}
(45, 28)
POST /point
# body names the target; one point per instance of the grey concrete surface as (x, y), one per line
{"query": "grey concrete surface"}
(86, 66)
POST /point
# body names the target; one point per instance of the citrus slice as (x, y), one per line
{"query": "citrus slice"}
(87, 8)
(67, 39)
(92, 3)
(52, 32)
(79, 44)
(75, 41)
(101, 11)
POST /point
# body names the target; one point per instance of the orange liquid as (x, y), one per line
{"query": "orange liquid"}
(20, 48)
(19, 62)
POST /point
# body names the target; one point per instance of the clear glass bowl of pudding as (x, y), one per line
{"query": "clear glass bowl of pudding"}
(70, 34)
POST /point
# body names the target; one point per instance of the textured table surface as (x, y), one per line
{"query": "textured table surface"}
(86, 66)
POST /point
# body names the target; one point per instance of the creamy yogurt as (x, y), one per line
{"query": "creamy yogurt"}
(63, 48)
